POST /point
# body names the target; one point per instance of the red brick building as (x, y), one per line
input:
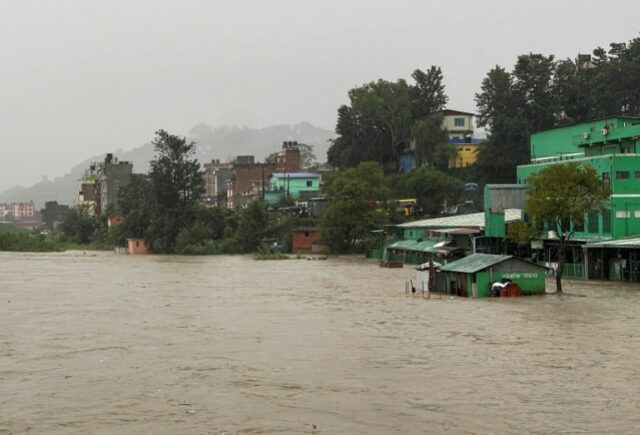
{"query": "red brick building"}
(250, 180)
(302, 239)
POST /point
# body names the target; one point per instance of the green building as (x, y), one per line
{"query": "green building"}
(473, 275)
(612, 147)
(296, 186)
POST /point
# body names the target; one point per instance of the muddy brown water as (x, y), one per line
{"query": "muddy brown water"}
(98, 343)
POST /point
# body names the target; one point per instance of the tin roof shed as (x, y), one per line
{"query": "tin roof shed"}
(474, 263)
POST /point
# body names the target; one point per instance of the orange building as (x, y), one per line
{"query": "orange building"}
(138, 247)
(303, 239)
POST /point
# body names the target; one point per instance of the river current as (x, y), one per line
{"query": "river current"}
(99, 343)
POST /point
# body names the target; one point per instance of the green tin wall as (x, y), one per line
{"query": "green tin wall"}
(571, 139)
(623, 171)
(531, 282)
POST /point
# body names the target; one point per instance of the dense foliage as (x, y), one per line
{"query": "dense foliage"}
(382, 117)
(357, 204)
(561, 195)
(541, 92)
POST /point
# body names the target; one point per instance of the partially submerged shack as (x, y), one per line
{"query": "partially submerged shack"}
(473, 276)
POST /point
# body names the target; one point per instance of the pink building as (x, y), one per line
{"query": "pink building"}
(21, 209)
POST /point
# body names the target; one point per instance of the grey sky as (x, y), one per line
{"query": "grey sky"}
(80, 78)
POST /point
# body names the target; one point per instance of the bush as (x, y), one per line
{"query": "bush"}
(23, 242)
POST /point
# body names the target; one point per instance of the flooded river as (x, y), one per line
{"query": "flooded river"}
(99, 343)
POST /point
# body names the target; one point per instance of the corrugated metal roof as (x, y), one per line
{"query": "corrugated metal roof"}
(423, 246)
(295, 175)
(630, 243)
(473, 263)
(465, 220)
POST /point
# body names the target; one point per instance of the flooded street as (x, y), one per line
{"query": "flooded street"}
(99, 343)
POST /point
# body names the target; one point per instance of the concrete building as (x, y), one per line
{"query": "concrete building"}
(460, 128)
(100, 185)
(88, 193)
(21, 209)
(216, 177)
(112, 175)
(53, 214)
(250, 180)
(607, 245)
(295, 186)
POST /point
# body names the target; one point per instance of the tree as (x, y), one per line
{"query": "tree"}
(252, 226)
(136, 202)
(431, 188)
(357, 204)
(513, 106)
(177, 184)
(428, 94)
(561, 194)
(375, 126)
(427, 135)
(78, 225)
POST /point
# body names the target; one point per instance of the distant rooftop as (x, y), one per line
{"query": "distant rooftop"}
(296, 175)
(475, 220)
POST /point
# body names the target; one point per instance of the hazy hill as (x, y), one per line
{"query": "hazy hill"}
(221, 143)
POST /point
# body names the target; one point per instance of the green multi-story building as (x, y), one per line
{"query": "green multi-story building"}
(296, 186)
(604, 246)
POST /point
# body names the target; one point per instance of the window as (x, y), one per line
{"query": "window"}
(623, 214)
(309, 183)
(637, 174)
(593, 222)
(458, 122)
(606, 178)
(636, 214)
(606, 221)
(621, 175)
(306, 233)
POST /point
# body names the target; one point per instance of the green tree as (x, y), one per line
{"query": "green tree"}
(253, 221)
(78, 225)
(513, 106)
(177, 184)
(427, 135)
(357, 204)
(375, 126)
(561, 194)
(431, 188)
(136, 201)
(428, 95)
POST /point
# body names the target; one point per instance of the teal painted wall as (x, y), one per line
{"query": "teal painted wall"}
(571, 139)
(622, 218)
(298, 188)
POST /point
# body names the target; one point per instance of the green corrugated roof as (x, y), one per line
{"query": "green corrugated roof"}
(629, 243)
(473, 263)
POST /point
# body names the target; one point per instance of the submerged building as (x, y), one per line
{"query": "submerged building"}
(607, 245)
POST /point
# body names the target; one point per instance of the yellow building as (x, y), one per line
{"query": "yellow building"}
(459, 125)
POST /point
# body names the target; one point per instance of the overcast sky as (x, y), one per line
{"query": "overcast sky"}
(80, 78)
